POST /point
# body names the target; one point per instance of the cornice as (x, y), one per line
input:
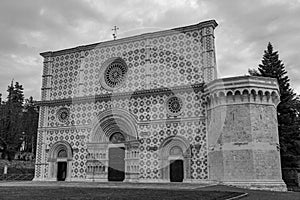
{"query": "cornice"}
(124, 95)
(144, 36)
(239, 82)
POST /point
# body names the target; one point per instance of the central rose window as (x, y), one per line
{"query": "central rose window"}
(115, 70)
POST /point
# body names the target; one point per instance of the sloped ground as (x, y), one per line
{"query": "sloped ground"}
(107, 193)
(142, 191)
(130, 191)
(17, 166)
(17, 170)
(255, 194)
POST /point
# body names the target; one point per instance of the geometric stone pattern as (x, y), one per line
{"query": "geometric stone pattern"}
(175, 57)
(194, 131)
(144, 109)
(157, 95)
(148, 109)
(76, 138)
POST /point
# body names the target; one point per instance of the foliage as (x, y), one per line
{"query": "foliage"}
(18, 122)
(288, 108)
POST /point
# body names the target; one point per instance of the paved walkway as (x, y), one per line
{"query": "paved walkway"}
(256, 194)
(105, 185)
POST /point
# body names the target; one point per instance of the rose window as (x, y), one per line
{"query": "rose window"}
(63, 114)
(174, 105)
(114, 73)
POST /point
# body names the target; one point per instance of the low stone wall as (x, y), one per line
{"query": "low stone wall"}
(17, 166)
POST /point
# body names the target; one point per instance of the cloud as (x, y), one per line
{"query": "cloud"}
(247, 26)
(29, 27)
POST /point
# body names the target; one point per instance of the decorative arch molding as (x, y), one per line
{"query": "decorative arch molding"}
(53, 159)
(57, 147)
(111, 121)
(172, 141)
(165, 156)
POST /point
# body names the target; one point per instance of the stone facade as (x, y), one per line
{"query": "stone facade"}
(149, 108)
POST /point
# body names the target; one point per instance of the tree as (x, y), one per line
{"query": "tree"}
(11, 121)
(30, 125)
(288, 108)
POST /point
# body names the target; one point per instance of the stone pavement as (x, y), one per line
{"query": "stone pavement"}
(255, 194)
(170, 186)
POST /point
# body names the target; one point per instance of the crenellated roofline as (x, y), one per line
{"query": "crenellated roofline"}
(242, 90)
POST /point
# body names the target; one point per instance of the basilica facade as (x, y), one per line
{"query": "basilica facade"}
(150, 108)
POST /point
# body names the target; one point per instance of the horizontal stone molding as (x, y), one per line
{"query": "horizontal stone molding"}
(261, 146)
(89, 126)
(124, 95)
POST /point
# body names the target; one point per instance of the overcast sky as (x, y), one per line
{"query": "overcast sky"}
(28, 27)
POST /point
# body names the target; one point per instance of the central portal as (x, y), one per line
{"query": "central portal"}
(113, 133)
(116, 165)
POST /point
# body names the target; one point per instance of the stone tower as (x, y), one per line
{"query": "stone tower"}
(243, 143)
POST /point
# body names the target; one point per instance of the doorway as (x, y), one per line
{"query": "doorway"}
(61, 171)
(116, 164)
(176, 170)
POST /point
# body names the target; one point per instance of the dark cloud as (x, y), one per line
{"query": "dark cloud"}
(29, 27)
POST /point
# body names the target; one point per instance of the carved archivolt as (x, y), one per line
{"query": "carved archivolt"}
(58, 147)
(113, 121)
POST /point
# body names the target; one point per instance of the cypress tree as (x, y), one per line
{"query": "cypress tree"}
(12, 121)
(18, 123)
(288, 108)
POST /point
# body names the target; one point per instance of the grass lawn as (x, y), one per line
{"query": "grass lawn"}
(74, 193)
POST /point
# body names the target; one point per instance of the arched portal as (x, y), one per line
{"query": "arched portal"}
(60, 161)
(175, 156)
(112, 138)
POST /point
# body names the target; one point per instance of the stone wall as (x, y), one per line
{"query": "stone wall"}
(243, 133)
